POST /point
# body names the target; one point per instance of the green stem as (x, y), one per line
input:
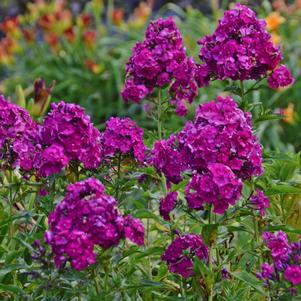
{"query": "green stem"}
(97, 288)
(210, 297)
(117, 185)
(159, 115)
(256, 236)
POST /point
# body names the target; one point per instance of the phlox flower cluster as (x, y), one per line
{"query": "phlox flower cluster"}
(160, 61)
(84, 218)
(281, 77)
(220, 151)
(67, 134)
(240, 49)
(180, 253)
(286, 259)
(259, 202)
(122, 135)
(17, 132)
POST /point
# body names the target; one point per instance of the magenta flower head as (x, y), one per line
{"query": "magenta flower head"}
(219, 186)
(67, 128)
(84, 218)
(293, 274)
(266, 271)
(167, 204)
(281, 77)
(239, 49)
(278, 244)
(122, 135)
(166, 158)
(222, 133)
(180, 253)
(260, 201)
(18, 133)
(160, 61)
(51, 160)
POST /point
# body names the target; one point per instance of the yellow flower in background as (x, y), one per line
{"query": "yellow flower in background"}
(288, 114)
(274, 20)
(276, 38)
(93, 67)
(141, 14)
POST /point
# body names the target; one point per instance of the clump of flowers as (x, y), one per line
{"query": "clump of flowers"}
(69, 131)
(239, 49)
(281, 77)
(84, 218)
(219, 186)
(122, 135)
(222, 133)
(167, 159)
(220, 151)
(260, 202)
(278, 244)
(167, 204)
(17, 135)
(158, 62)
(286, 260)
(180, 253)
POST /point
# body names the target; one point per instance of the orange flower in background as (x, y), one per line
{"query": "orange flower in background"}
(8, 47)
(276, 38)
(56, 22)
(70, 35)
(5, 58)
(288, 114)
(274, 20)
(52, 40)
(141, 14)
(118, 16)
(10, 25)
(29, 34)
(89, 38)
(92, 66)
(85, 20)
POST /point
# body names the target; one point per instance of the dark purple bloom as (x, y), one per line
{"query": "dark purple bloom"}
(179, 254)
(167, 204)
(278, 244)
(167, 159)
(293, 274)
(260, 201)
(160, 61)
(266, 271)
(122, 135)
(281, 77)
(239, 49)
(68, 127)
(84, 218)
(18, 134)
(51, 160)
(225, 273)
(134, 230)
(132, 92)
(221, 133)
(219, 186)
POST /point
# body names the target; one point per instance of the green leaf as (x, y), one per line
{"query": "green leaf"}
(233, 89)
(282, 189)
(144, 213)
(283, 228)
(9, 268)
(10, 288)
(267, 117)
(250, 280)
(209, 233)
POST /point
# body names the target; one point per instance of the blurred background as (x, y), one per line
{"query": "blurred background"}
(83, 47)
